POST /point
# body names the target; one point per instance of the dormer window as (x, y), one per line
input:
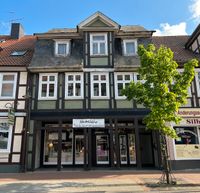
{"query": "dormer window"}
(130, 47)
(62, 47)
(98, 44)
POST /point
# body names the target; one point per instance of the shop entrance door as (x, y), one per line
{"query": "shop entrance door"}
(102, 149)
(146, 148)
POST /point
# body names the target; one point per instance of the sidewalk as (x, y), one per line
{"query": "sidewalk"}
(97, 182)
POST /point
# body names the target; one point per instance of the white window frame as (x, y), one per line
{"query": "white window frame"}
(8, 81)
(197, 81)
(99, 82)
(174, 145)
(130, 41)
(123, 82)
(74, 84)
(98, 42)
(55, 82)
(9, 137)
(57, 42)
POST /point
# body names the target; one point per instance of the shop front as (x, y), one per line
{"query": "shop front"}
(187, 145)
(90, 143)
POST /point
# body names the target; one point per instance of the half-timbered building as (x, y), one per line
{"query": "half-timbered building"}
(16, 51)
(74, 114)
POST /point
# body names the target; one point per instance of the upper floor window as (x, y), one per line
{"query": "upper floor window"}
(197, 77)
(48, 86)
(99, 85)
(8, 85)
(121, 81)
(98, 44)
(5, 135)
(61, 47)
(130, 47)
(73, 85)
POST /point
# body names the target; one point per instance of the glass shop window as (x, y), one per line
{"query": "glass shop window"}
(187, 144)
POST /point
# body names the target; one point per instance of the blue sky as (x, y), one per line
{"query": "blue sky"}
(171, 17)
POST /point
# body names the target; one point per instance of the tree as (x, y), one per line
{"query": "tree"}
(163, 90)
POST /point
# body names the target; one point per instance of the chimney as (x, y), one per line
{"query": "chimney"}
(17, 31)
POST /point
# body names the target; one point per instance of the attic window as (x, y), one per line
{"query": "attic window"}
(2, 40)
(130, 47)
(62, 47)
(18, 53)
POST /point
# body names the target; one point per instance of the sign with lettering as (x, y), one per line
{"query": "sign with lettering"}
(190, 121)
(189, 112)
(88, 123)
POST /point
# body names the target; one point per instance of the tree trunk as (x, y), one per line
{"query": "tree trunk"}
(166, 176)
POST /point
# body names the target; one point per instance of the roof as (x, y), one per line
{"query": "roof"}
(132, 28)
(193, 36)
(25, 43)
(62, 30)
(177, 45)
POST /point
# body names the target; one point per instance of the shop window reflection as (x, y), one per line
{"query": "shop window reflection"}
(187, 144)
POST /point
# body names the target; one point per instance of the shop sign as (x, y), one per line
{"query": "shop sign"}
(189, 112)
(88, 123)
(190, 121)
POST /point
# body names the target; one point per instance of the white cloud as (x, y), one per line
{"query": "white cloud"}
(4, 28)
(195, 10)
(167, 29)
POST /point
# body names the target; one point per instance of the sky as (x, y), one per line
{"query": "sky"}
(167, 17)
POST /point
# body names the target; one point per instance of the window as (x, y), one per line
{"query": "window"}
(130, 47)
(98, 44)
(8, 85)
(48, 86)
(121, 81)
(99, 85)
(18, 53)
(73, 86)
(197, 77)
(5, 135)
(187, 144)
(61, 47)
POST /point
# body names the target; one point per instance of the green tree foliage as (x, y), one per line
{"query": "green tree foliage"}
(163, 90)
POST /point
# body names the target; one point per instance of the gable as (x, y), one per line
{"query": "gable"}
(98, 23)
(98, 20)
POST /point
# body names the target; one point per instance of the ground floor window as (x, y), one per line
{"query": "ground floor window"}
(187, 144)
(51, 147)
(73, 144)
(5, 135)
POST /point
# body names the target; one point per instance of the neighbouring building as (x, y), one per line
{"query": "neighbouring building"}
(185, 151)
(76, 114)
(16, 51)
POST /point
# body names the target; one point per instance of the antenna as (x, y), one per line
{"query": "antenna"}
(13, 19)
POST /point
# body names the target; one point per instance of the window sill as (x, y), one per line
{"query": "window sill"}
(126, 55)
(47, 99)
(6, 152)
(74, 98)
(99, 55)
(120, 98)
(7, 98)
(100, 98)
(61, 56)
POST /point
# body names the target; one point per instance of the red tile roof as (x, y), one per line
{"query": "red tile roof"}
(177, 45)
(10, 45)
